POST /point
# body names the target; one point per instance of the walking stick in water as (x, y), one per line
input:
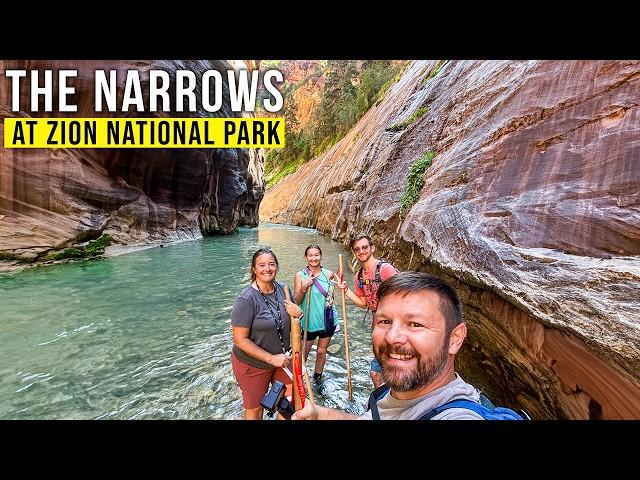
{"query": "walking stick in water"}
(346, 332)
(300, 376)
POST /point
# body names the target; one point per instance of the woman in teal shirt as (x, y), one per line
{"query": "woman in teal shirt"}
(313, 291)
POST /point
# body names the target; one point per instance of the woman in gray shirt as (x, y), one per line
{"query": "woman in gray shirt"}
(261, 325)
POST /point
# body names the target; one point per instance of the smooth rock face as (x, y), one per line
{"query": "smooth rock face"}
(531, 208)
(54, 198)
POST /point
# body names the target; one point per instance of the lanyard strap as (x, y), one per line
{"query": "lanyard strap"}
(278, 319)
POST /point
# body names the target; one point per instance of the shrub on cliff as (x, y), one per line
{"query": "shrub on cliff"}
(412, 118)
(415, 182)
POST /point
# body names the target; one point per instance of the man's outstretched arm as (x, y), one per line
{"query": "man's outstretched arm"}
(311, 411)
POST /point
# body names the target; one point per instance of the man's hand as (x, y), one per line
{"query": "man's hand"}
(342, 286)
(311, 411)
(308, 412)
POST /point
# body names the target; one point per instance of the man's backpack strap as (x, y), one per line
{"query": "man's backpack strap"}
(377, 274)
(376, 395)
(359, 277)
(497, 413)
(376, 277)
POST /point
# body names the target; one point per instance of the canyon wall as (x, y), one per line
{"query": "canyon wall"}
(530, 208)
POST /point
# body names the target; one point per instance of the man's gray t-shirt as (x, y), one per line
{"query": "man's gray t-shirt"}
(251, 311)
(395, 409)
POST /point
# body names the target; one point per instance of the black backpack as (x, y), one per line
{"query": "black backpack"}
(362, 282)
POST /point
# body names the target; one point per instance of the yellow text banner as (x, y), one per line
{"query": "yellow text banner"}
(27, 132)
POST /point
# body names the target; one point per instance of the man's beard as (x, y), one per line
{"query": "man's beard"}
(402, 380)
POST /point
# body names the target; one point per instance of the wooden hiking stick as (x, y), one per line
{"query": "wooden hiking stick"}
(298, 386)
(300, 377)
(306, 322)
(346, 333)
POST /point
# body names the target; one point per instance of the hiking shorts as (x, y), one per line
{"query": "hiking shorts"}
(375, 366)
(320, 333)
(255, 382)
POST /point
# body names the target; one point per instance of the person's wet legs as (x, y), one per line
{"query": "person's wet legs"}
(253, 413)
(321, 356)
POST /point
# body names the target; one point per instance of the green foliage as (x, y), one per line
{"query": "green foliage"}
(15, 258)
(66, 253)
(337, 106)
(97, 246)
(415, 182)
(93, 248)
(285, 170)
(436, 69)
(270, 64)
(350, 89)
(383, 90)
(7, 256)
(408, 121)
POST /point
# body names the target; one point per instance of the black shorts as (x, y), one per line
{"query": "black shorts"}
(320, 333)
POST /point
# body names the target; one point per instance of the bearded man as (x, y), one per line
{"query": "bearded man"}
(417, 332)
